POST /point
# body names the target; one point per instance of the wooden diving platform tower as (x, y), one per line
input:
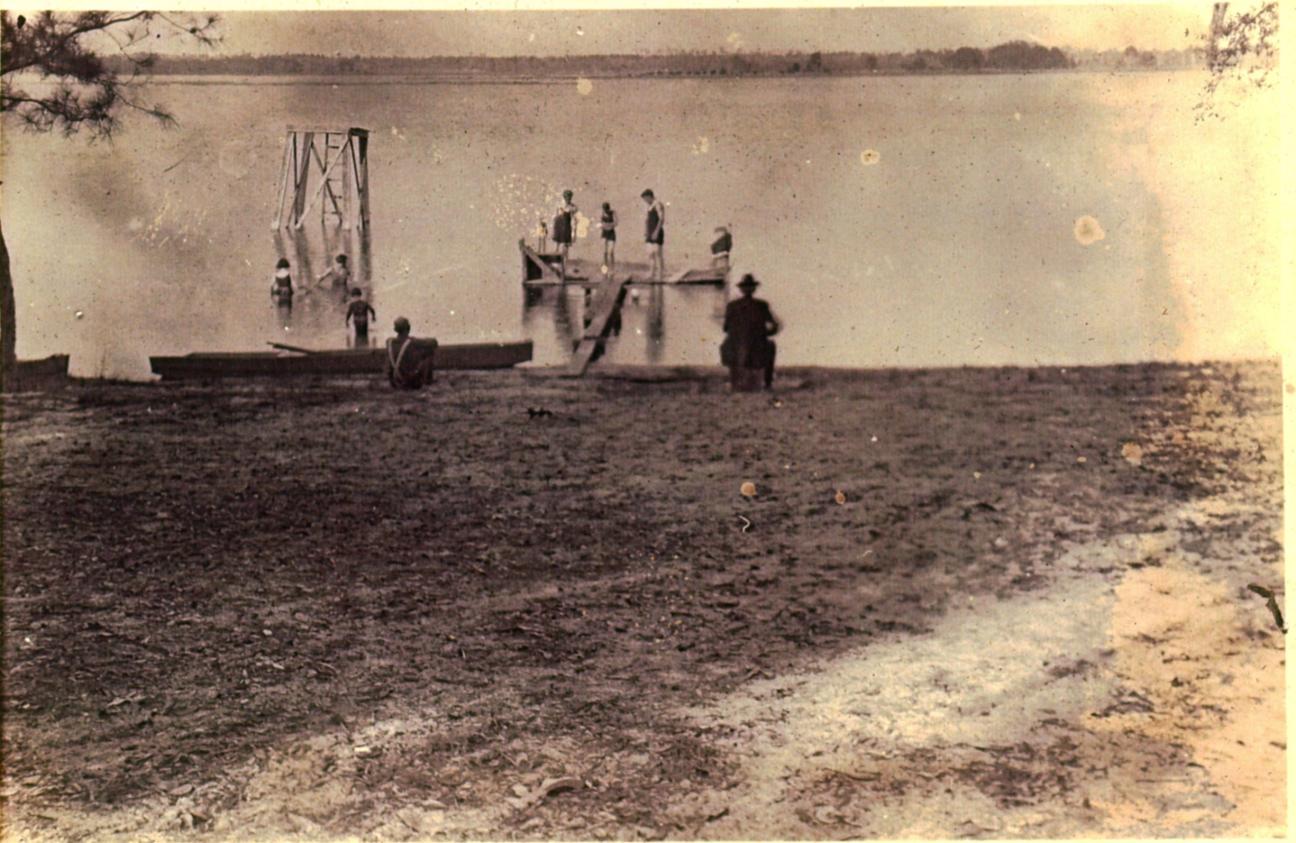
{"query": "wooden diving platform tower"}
(328, 167)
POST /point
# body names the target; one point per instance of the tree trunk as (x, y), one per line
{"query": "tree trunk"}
(8, 321)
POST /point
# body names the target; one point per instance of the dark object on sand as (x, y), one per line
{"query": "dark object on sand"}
(351, 361)
(1272, 602)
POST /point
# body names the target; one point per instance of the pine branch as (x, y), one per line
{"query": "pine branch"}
(88, 91)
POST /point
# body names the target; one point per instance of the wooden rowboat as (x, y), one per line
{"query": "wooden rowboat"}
(352, 361)
(53, 366)
(39, 374)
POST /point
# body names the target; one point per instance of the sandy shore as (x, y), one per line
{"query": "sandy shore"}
(961, 603)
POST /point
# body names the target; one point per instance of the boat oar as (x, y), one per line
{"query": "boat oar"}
(296, 348)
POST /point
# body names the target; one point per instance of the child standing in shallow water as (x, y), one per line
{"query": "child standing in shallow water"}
(281, 290)
(340, 274)
(359, 312)
(608, 224)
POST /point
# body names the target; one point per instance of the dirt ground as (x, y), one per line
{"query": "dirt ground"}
(960, 603)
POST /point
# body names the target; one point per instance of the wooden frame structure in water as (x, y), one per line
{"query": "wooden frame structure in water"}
(328, 166)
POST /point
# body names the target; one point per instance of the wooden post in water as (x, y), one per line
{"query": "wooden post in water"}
(328, 166)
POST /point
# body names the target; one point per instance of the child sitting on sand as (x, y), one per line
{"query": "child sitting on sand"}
(409, 363)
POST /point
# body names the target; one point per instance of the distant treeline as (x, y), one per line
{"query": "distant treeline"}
(1009, 57)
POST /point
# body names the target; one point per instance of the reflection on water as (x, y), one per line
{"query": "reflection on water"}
(638, 333)
(656, 332)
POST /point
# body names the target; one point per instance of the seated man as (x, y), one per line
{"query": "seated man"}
(409, 361)
(747, 349)
(721, 247)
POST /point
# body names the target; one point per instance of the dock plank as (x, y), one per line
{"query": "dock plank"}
(607, 305)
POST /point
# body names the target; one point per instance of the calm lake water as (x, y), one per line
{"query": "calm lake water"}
(952, 241)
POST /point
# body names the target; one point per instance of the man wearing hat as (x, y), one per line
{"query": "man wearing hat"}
(409, 361)
(747, 347)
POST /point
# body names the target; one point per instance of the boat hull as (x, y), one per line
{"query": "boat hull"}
(361, 361)
(39, 374)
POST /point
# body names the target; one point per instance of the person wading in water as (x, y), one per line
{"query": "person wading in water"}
(359, 312)
(281, 290)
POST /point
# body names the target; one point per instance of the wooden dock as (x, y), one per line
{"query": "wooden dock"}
(606, 305)
(544, 270)
(541, 269)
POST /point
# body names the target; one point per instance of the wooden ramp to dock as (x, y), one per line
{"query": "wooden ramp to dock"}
(640, 274)
(606, 305)
(708, 275)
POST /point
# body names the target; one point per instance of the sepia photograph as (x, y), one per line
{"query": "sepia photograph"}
(713, 423)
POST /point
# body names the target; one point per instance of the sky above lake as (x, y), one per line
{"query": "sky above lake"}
(500, 32)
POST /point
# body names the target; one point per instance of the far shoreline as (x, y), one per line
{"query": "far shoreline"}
(199, 79)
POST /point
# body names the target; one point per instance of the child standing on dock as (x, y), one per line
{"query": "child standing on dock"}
(608, 224)
(655, 235)
(341, 275)
(281, 290)
(564, 229)
(358, 313)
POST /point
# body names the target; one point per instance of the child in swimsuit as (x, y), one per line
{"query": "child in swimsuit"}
(608, 223)
(359, 313)
(281, 290)
(341, 275)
